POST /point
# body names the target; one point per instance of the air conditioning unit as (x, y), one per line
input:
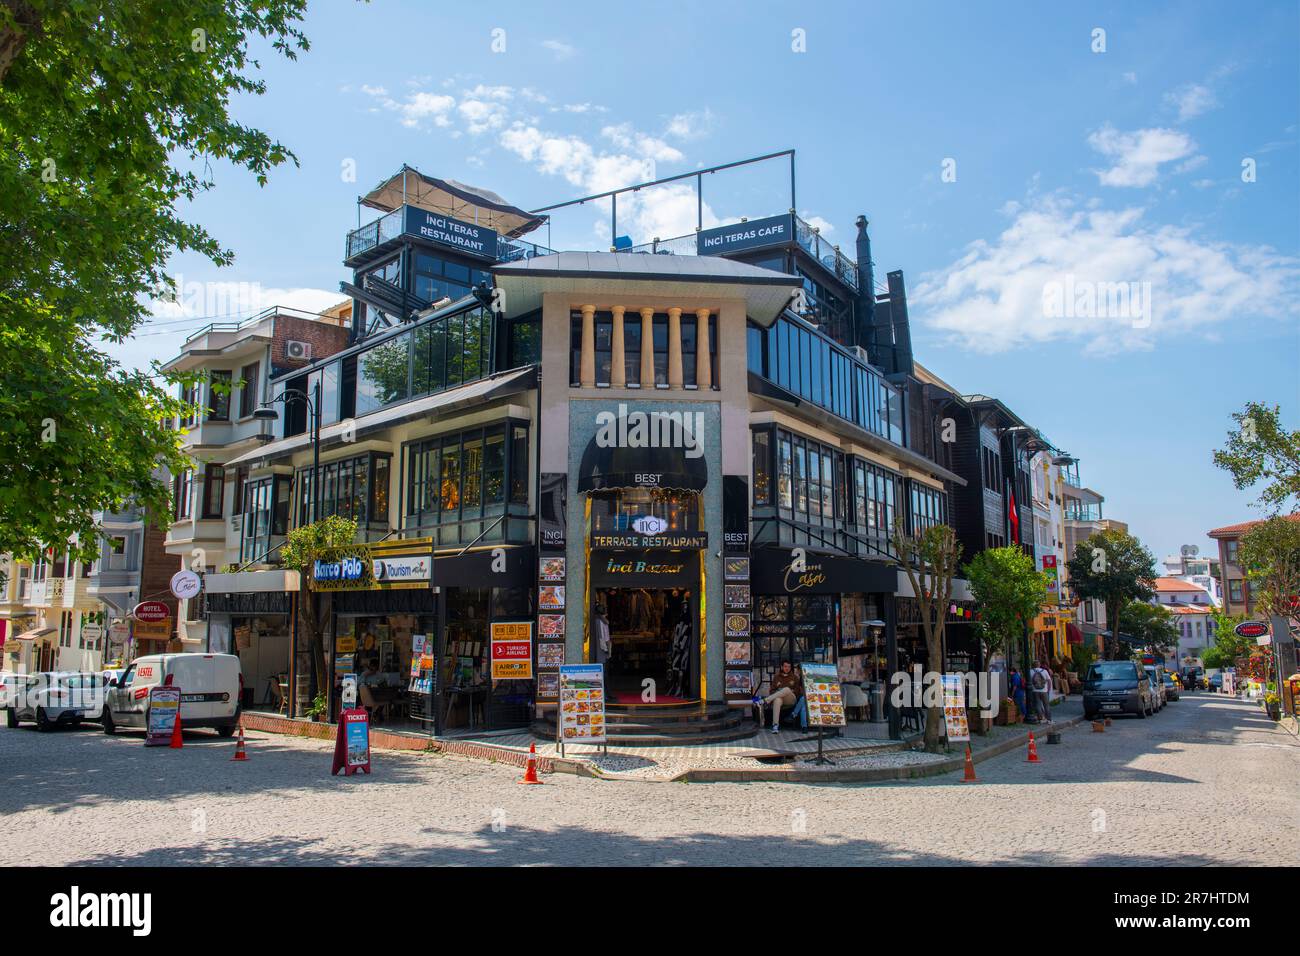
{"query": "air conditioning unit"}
(861, 353)
(299, 351)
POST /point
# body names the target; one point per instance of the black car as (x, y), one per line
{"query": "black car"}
(1117, 687)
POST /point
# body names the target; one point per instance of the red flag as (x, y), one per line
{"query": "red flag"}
(1015, 518)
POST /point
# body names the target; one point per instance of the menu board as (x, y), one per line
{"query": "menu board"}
(582, 704)
(738, 681)
(954, 708)
(164, 708)
(512, 650)
(821, 688)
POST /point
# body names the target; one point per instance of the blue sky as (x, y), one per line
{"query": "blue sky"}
(1117, 165)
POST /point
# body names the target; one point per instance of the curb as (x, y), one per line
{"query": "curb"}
(862, 774)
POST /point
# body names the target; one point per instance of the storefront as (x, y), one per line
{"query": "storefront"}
(416, 628)
(251, 615)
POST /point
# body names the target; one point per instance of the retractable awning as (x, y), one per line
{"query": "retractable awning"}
(408, 186)
(35, 633)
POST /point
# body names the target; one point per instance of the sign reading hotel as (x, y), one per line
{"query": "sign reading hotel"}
(446, 231)
(512, 650)
(772, 231)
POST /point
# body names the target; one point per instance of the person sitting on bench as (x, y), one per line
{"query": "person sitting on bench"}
(786, 689)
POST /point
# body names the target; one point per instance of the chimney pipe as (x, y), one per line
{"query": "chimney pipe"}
(866, 286)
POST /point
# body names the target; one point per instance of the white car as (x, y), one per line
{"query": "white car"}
(52, 698)
(7, 680)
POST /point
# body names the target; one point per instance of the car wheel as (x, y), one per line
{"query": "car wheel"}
(227, 731)
(42, 721)
(11, 718)
(110, 728)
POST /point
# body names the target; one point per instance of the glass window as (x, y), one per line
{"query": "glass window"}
(525, 346)
(450, 489)
(472, 464)
(250, 388)
(455, 350)
(689, 348)
(604, 323)
(800, 478)
(382, 374)
(762, 467)
(519, 465)
(219, 395)
(494, 468)
(329, 394)
(660, 330)
(785, 494)
(575, 348)
(214, 483)
(632, 349)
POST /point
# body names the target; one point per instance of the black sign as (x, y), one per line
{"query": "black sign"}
(551, 507)
(462, 236)
(773, 231)
(645, 466)
(775, 571)
(645, 569)
(252, 603)
(693, 541)
(735, 513)
(500, 567)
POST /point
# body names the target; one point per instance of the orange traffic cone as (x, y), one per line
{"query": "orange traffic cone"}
(530, 773)
(177, 741)
(1033, 750)
(969, 776)
(239, 745)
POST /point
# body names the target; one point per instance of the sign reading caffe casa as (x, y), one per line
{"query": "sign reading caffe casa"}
(798, 571)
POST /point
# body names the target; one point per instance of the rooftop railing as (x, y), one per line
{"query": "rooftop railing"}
(249, 322)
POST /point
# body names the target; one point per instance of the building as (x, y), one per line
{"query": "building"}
(1237, 599)
(1084, 518)
(52, 622)
(1193, 607)
(703, 443)
(237, 361)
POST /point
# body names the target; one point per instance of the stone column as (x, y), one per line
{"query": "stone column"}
(647, 348)
(674, 348)
(703, 363)
(587, 368)
(617, 369)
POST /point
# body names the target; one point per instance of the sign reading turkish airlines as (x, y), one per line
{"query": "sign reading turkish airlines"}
(512, 650)
(151, 611)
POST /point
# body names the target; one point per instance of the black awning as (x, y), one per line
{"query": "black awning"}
(610, 467)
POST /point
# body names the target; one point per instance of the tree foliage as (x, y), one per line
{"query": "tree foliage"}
(1115, 568)
(930, 562)
(1152, 625)
(330, 539)
(1259, 450)
(111, 116)
(1009, 591)
(1269, 553)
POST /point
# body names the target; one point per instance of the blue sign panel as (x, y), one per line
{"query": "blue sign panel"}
(462, 236)
(773, 231)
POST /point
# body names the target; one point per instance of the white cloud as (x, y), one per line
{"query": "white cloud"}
(1196, 162)
(561, 50)
(579, 108)
(373, 90)
(1137, 155)
(1131, 78)
(1191, 100)
(824, 226)
(999, 295)
(690, 125)
(625, 137)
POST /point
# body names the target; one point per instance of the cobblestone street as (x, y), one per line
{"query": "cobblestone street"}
(1155, 791)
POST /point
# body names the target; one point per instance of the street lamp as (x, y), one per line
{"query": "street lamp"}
(266, 415)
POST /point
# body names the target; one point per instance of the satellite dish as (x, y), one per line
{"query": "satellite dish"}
(1189, 551)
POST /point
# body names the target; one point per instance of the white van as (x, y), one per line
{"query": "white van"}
(211, 687)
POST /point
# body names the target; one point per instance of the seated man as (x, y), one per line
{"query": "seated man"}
(786, 689)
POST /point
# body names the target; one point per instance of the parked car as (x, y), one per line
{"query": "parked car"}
(7, 681)
(211, 689)
(1172, 690)
(1194, 679)
(1117, 687)
(55, 698)
(1216, 682)
(1156, 675)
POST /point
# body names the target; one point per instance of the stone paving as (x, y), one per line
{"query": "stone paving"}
(1209, 781)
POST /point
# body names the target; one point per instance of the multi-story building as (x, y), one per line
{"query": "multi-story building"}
(1237, 598)
(1084, 518)
(53, 622)
(1193, 607)
(237, 361)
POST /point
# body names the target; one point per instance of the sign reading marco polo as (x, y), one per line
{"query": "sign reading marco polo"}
(464, 236)
(337, 575)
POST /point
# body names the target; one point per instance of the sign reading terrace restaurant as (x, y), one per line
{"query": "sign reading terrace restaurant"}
(772, 231)
(463, 236)
(694, 540)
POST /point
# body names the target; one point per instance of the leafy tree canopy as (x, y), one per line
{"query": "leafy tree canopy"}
(1259, 450)
(1009, 591)
(1269, 553)
(1114, 567)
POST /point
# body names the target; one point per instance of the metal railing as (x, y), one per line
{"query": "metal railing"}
(830, 257)
(253, 320)
(386, 227)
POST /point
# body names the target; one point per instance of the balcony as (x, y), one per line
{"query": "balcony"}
(369, 241)
(806, 236)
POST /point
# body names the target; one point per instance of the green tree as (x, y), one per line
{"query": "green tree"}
(1152, 625)
(1115, 568)
(112, 115)
(1009, 592)
(930, 561)
(1269, 553)
(1260, 449)
(329, 539)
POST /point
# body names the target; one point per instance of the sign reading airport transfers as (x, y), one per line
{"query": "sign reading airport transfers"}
(773, 231)
(512, 650)
(463, 236)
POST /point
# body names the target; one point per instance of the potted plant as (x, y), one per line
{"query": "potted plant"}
(319, 708)
(1273, 704)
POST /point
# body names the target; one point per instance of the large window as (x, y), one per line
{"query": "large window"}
(219, 395)
(632, 349)
(355, 488)
(183, 494)
(214, 483)
(455, 483)
(437, 278)
(265, 516)
(928, 507)
(382, 374)
(250, 390)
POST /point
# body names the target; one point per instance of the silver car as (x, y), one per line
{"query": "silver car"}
(53, 698)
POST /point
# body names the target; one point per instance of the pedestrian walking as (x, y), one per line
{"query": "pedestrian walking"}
(1016, 683)
(1040, 681)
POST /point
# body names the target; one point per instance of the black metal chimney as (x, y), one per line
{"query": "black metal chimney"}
(862, 334)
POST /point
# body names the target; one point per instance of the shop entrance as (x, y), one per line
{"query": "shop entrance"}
(652, 636)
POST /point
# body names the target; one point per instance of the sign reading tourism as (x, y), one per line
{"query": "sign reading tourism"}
(352, 742)
(1252, 629)
(821, 686)
(512, 650)
(160, 720)
(582, 704)
(954, 709)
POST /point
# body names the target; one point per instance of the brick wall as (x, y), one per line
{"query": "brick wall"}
(324, 339)
(157, 568)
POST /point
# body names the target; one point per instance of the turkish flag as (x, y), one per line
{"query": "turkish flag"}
(1015, 518)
